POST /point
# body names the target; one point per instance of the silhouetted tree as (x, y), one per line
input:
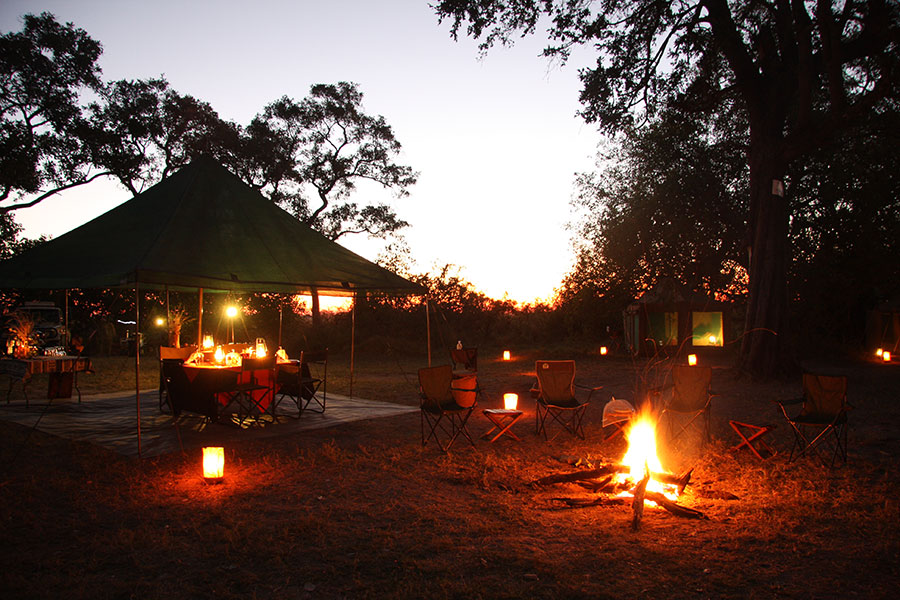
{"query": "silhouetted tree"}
(43, 69)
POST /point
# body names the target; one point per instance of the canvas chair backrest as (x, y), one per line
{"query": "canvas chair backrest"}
(464, 358)
(170, 352)
(823, 395)
(556, 380)
(258, 364)
(435, 385)
(691, 387)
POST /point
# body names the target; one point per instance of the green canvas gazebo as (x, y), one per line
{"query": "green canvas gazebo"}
(201, 228)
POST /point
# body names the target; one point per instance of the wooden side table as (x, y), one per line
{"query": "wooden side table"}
(503, 420)
(758, 431)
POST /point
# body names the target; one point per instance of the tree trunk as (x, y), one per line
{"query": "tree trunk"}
(765, 349)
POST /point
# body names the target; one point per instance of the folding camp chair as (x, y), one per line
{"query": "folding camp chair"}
(174, 355)
(252, 393)
(465, 360)
(556, 398)
(824, 412)
(446, 404)
(691, 398)
(296, 382)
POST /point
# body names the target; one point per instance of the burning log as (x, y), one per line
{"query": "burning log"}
(581, 475)
(673, 507)
(637, 504)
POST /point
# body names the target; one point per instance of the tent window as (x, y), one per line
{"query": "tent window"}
(707, 329)
(663, 328)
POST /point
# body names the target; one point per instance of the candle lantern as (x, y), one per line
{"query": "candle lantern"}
(219, 355)
(879, 353)
(213, 464)
(886, 356)
(510, 401)
(506, 355)
(603, 350)
(208, 342)
(692, 359)
(261, 349)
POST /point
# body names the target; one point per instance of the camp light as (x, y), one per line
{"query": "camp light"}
(886, 356)
(160, 321)
(692, 359)
(506, 355)
(603, 350)
(510, 401)
(213, 464)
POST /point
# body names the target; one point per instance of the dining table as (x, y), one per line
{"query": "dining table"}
(62, 370)
(264, 377)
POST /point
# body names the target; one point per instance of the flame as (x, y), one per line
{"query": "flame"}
(642, 455)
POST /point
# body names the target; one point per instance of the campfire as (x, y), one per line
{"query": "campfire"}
(639, 478)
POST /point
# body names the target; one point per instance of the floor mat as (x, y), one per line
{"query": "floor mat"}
(110, 420)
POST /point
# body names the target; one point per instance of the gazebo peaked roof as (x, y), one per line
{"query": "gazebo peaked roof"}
(200, 228)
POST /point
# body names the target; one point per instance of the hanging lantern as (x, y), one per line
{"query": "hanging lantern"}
(213, 464)
(692, 359)
(506, 355)
(603, 350)
(510, 401)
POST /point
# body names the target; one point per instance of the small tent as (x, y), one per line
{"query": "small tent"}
(669, 317)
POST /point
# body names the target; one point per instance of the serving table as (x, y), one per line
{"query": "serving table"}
(63, 371)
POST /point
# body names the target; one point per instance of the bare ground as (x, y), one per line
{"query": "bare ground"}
(364, 511)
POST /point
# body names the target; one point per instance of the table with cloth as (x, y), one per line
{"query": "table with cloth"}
(63, 372)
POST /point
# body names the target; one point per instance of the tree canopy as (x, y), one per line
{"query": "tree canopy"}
(307, 155)
(803, 73)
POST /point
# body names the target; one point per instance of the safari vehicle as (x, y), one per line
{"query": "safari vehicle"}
(50, 330)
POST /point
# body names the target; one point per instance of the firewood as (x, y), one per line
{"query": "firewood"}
(637, 504)
(673, 507)
(580, 475)
(605, 485)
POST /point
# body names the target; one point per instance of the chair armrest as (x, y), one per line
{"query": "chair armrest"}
(589, 389)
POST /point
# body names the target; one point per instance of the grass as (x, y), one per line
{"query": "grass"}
(363, 511)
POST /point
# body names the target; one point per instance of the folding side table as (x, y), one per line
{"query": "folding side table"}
(502, 419)
(756, 434)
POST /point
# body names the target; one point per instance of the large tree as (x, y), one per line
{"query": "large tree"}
(143, 131)
(43, 70)
(309, 156)
(803, 72)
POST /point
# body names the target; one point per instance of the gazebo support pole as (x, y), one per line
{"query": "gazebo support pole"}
(137, 360)
(428, 329)
(68, 335)
(280, 319)
(169, 341)
(352, 341)
(200, 320)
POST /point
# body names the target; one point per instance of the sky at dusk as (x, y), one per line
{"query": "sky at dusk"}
(496, 141)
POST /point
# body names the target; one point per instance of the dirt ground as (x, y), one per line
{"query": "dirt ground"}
(364, 511)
